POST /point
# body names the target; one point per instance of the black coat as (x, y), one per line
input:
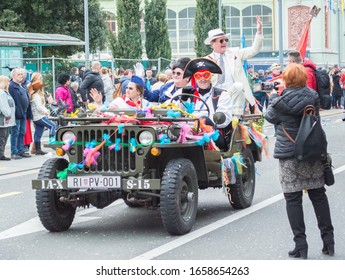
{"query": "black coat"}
(337, 91)
(91, 80)
(287, 110)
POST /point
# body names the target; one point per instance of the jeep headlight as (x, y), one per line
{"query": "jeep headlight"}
(146, 138)
(67, 136)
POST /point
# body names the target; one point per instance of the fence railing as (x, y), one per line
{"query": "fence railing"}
(50, 67)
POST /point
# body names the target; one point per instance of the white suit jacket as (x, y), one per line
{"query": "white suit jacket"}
(235, 58)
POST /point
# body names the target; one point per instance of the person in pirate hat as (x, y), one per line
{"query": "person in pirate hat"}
(200, 71)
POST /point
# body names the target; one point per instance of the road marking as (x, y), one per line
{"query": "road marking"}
(34, 225)
(149, 255)
(9, 194)
(339, 169)
(19, 174)
(207, 229)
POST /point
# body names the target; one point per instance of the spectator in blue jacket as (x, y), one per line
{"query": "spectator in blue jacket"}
(21, 100)
(170, 88)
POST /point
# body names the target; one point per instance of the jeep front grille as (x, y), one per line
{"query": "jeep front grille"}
(123, 161)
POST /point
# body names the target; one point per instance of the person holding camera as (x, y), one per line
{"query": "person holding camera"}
(296, 176)
(258, 93)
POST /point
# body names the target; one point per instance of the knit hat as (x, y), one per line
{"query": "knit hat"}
(33, 87)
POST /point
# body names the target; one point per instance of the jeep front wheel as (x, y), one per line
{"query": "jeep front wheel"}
(55, 215)
(179, 196)
(242, 193)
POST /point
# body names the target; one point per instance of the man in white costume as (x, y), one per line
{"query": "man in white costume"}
(230, 60)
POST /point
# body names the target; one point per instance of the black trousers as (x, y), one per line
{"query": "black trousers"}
(4, 133)
(294, 209)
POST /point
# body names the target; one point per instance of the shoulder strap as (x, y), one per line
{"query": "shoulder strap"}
(216, 94)
(308, 110)
(288, 135)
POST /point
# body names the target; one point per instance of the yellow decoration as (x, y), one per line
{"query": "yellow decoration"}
(92, 107)
(234, 121)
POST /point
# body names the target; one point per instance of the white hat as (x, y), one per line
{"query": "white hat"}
(274, 66)
(214, 34)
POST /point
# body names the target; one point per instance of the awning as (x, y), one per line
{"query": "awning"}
(24, 39)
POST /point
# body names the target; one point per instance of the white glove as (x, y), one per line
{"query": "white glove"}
(139, 70)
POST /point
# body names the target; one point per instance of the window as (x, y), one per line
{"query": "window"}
(186, 34)
(111, 22)
(171, 20)
(237, 25)
(249, 24)
(232, 23)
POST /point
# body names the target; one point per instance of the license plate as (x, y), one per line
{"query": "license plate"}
(96, 181)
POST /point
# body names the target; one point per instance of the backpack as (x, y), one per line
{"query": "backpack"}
(323, 84)
(310, 142)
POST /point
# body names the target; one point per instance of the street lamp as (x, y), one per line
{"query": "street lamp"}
(280, 15)
(220, 13)
(86, 30)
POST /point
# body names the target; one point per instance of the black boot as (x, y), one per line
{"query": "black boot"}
(299, 253)
(39, 152)
(294, 211)
(319, 200)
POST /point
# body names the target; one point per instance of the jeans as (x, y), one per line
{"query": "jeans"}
(17, 137)
(39, 128)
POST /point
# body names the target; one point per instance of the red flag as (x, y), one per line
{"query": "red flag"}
(303, 41)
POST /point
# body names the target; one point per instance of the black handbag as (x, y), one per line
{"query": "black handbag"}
(328, 171)
(310, 142)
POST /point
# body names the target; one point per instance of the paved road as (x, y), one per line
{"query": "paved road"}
(119, 233)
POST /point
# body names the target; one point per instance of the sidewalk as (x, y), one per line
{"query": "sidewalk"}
(37, 161)
(25, 163)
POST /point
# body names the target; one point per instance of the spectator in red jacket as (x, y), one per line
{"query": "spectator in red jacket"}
(295, 57)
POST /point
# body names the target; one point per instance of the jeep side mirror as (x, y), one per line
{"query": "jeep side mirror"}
(219, 118)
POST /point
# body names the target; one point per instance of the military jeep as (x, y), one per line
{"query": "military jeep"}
(144, 169)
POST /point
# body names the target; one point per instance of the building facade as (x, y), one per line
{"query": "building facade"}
(326, 35)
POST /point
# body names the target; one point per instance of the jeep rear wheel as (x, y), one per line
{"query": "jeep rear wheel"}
(179, 196)
(55, 216)
(242, 192)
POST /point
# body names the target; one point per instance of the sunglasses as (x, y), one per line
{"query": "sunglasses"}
(202, 76)
(177, 73)
(130, 88)
(222, 40)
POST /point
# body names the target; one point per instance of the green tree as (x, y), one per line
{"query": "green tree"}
(128, 43)
(50, 16)
(10, 21)
(157, 42)
(206, 18)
